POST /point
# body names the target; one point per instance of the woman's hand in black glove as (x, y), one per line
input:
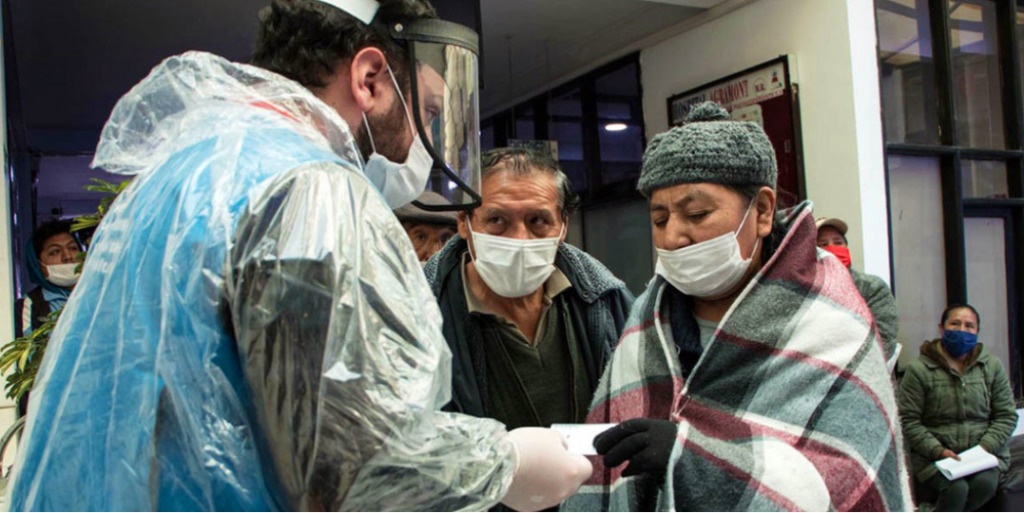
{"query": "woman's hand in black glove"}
(645, 443)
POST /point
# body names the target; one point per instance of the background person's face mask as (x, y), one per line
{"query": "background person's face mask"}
(399, 183)
(841, 252)
(62, 275)
(708, 268)
(958, 343)
(513, 267)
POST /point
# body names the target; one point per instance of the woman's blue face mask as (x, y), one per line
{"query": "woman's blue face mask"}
(958, 343)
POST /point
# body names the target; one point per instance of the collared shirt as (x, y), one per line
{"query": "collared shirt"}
(538, 382)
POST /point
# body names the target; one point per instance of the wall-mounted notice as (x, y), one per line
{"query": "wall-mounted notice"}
(762, 94)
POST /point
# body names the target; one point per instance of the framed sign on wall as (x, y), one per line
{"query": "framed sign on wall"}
(765, 95)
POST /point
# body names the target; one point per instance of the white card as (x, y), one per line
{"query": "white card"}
(581, 436)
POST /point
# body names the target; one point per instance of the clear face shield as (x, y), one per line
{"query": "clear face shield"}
(444, 79)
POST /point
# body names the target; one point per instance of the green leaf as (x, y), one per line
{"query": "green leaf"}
(81, 223)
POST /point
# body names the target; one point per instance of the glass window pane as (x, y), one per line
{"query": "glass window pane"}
(565, 125)
(620, 119)
(1020, 40)
(611, 229)
(984, 179)
(985, 239)
(487, 137)
(907, 72)
(525, 123)
(976, 80)
(918, 248)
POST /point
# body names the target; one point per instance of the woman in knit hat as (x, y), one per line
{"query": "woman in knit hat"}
(749, 376)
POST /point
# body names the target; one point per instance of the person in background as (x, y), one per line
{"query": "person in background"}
(531, 321)
(428, 231)
(874, 290)
(52, 258)
(955, 396)
(748, 376)
(253, 330)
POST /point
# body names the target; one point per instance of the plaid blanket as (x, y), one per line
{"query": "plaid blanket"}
(789, 407)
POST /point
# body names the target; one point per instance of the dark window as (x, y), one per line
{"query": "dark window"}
(565, 126)
(596, 122)
(907, 72)
(620, 124)
(487, 136)
(975, 58)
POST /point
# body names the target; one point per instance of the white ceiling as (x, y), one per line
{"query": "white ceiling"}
(702, 4)
(542, 41)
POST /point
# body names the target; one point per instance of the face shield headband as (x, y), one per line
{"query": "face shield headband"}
(444, 86)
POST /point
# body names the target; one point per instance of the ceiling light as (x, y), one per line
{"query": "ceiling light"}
(615, 127)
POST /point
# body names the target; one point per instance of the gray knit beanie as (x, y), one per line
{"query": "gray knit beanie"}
(709, 148)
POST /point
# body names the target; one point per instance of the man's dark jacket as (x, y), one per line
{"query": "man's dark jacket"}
(598, 305)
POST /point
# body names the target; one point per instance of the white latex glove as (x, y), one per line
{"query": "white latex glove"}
(546, 473)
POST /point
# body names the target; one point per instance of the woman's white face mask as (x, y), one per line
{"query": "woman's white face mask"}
(62, 275)
(707, 269)
(513, 267)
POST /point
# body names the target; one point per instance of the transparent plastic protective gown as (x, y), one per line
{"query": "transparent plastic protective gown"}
(252, 330)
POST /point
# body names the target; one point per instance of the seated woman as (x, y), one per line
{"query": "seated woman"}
(749, 366)
(954, 396)
(51, 258)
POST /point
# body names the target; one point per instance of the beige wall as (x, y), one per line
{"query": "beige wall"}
(831, 44)
(7, 412)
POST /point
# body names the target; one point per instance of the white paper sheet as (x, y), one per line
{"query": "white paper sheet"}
(1019, 430)
(581, 436)
(972, 461)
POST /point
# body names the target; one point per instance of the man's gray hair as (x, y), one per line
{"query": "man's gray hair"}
(525, 162)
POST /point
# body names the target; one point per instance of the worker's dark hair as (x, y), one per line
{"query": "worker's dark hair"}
(304, 40)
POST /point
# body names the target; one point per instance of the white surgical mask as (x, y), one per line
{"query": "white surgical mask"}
(513, 267)
(399, 183)
(709, 268)
(62, 275)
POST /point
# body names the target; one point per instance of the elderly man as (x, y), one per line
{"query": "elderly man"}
(530, 320)
(832, 238)
(428, 231)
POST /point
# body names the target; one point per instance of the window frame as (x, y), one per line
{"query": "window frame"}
(952, 156)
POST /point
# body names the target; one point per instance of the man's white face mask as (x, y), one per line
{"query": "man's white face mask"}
(709, 268)
(513, 267)
(62, 275)
(399, 183)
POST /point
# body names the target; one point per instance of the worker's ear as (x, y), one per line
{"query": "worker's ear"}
(368, 73)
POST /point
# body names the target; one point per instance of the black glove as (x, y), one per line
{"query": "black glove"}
(645, 443)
